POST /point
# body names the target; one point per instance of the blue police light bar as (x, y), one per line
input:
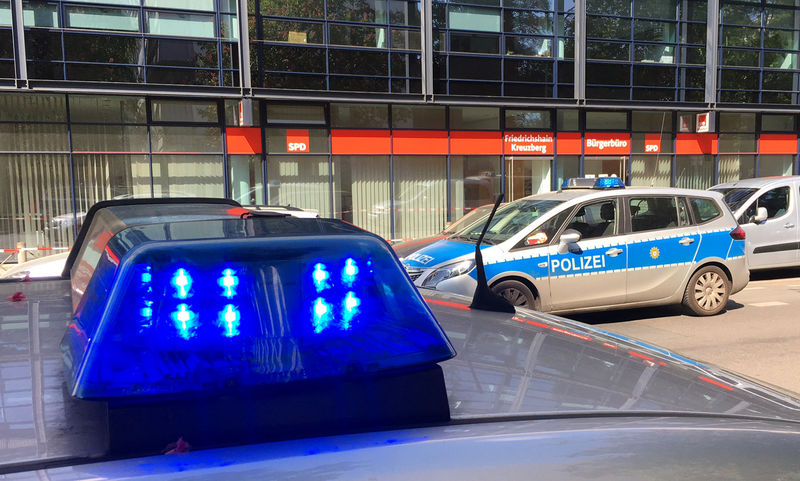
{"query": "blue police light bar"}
(592, 183)
(171, 316)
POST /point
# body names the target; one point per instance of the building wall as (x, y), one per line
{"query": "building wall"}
(411, 113)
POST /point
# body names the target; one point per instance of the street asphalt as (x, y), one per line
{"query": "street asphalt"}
(758, 335)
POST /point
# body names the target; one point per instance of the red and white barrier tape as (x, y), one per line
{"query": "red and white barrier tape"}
(28, 249)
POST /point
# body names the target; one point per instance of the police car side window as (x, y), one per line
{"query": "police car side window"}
(683, 212)
(596, 220)
(649, 213)
(704, 209)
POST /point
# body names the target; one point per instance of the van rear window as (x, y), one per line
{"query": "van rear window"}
(704, 209)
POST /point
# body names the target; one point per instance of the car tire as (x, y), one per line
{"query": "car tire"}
(707, 291)
(518, 294)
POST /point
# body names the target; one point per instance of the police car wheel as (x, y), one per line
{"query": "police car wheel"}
(707, 292)
(517, 293)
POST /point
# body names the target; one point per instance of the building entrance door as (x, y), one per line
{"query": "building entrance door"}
(606, 166)
(526, 175)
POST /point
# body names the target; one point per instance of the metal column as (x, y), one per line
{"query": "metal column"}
(580, 50)
(426, 30)
(20, 56)
(712, 52)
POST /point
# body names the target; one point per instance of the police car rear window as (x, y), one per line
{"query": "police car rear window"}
(704, 209)
(736, 197)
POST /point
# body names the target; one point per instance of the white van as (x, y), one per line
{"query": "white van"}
(767, 210)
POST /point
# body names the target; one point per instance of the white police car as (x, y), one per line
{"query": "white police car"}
(595, 244)
(234, 348)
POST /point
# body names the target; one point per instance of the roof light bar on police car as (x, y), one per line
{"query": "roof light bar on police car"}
(164, 315)
(592, 183)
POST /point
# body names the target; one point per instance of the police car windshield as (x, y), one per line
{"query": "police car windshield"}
(736, 197)
(509, 220)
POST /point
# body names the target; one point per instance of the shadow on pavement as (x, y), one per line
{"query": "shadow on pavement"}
(625, 315)
(774, 274)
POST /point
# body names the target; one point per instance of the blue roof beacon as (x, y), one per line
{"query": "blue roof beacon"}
(592, 183)
(181, 307)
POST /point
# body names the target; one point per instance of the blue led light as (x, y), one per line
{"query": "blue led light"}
(322, 315)
(609, 183)
(350, 309)
(321, 277)
(182, 282)
(228, 282)
(229, 320)
(349, 272)
(185, 321)
(176, 330)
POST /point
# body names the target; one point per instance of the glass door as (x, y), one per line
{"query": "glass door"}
(527, 176)
(602, 166)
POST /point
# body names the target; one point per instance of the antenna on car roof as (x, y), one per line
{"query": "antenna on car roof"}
(484, 298)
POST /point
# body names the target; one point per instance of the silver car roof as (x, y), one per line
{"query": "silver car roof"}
(572, 194)
(758, 183)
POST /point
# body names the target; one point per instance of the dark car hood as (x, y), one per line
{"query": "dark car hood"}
(403, 249)
(532, 363)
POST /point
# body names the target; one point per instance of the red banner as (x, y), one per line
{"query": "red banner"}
(696, 144)
(419, 142)
(353, 142)
(607, 144)
(777, 144)
(652, 143)
(529, 143)
(568, 143)
(297, 140)
(240, 140)
(475, 143)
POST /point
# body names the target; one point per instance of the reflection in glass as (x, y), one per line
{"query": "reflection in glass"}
(474, 181)
(527, 176)
(102, 18)
(109, 138)
(190, 25)
(736, 167)
(361, 193)
(650, 171)
(420, 195)
(188, 176)
(35, 193)
(695, 171)
(775, 165)
(568, 166)
(108, 176)
(185, 139)
(299, 181)
(246, 177)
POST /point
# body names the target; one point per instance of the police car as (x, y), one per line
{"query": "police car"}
(596, 244)
(238, 346)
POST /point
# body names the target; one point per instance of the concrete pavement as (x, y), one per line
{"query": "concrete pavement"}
(758, 335)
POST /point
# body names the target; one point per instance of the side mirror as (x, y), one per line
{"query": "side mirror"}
(761, 215)
(569, 236)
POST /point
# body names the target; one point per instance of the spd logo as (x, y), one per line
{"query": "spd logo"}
(297, 140)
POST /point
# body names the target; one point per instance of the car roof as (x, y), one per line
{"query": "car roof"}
(587, 194)
(758, 182)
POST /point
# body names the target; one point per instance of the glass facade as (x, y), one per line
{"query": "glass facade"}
(365, 45)
(131, 41)
(758, 52)
(646, 50)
